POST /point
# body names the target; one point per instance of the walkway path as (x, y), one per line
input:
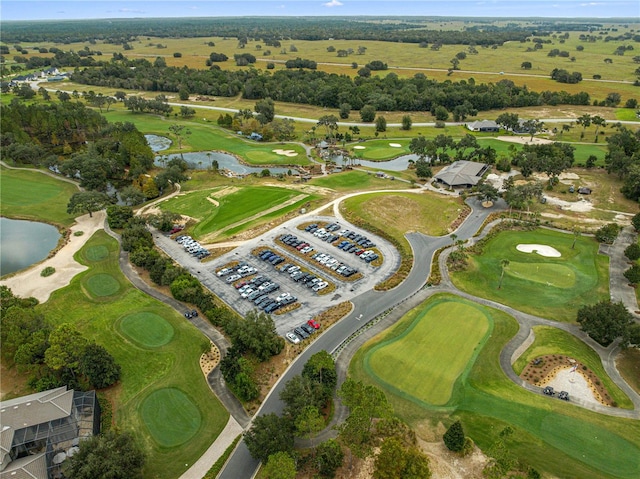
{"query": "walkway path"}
(618, 264)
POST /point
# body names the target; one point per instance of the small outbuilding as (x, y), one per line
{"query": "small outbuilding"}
(583, 190)
(483, 126)
(462, 174)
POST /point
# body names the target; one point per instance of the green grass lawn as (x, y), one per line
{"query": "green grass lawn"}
(146, 329)
(170, 366)
(170, 416)
(533, 285)
(433, 351)
(555, 341)
(400, 212)
(557, 438)
(35, 196)
(207, 136)
(353, 180)
(234, 207)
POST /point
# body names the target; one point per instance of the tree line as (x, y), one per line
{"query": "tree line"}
(318, 88)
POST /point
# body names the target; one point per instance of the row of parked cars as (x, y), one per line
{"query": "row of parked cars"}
(323, 258)
(303, 331)
(192, 247)
(234, 273)
(257, 290)
(364, 254)
(328, 234)
(308, 279)
(295, 242)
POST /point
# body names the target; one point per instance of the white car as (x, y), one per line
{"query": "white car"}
(292, 337)
(223, 272)
(247, 292)
(283, 296)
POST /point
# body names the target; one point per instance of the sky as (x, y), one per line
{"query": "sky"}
(90, 9)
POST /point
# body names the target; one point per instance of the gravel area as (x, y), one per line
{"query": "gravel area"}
(574, 383)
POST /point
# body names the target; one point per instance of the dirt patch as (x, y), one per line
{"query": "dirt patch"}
(543, 370)
(224, 191)
(209, 360)
(524, 140)
(445, 464)
(13, 383)
(215, 203)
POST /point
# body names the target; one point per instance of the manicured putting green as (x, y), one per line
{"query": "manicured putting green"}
(171, 417)
(96, 253)
(147, 329)
(425, 361)
(557, 275)
(102, 285)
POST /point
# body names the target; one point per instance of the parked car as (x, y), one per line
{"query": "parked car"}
(313, 323)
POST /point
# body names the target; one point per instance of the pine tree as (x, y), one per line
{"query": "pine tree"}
(454, 437)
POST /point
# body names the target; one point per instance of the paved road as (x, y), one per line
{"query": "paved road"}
(618, 264)
(367, 306)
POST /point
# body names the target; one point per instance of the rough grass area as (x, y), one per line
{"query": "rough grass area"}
(628, 363)
(555, 341)
(96, 253)
(35, 196)
(174, 365)
(549, 434)
(102, 285)
(170, 416)
(532, 285)
(424, 361)
(147, 329)
(353, 180)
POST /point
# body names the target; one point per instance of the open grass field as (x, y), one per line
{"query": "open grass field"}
(628, 363)
(101, 284)
(171, 417)
(146, 329)
(555, 341)
(172, 366)
(398, 212)
(532, 284)
(235, 206)
(353, 180)
(433, 351)
(35, 196)
(557, 438)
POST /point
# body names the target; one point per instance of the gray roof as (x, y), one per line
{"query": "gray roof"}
(481, 124)
(461, 173)
(36, 408)
(28, 467)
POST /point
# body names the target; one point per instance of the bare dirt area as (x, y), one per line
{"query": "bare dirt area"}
(524, 140)
(448, 465)
(13, 383)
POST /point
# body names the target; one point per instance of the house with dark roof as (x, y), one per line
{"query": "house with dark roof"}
(484, 126)
(462, 174)
(39, 431)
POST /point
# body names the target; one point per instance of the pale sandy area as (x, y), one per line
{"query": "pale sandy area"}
(524, 140)
(395, 145)
(279, 151)
(574, 383)
(580, 206)
(359, 147)
(541, 249)
(30, 283)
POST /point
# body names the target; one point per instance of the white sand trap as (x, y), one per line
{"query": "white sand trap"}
(359, 147)
(574, 383)
(289, 153)
(541, 249)
(395, 145)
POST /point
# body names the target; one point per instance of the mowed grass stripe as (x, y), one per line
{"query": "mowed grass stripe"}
(34, 195)
(170, 416)
(147, 329)
(427, 359)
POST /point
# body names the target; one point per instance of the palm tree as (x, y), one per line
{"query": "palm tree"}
(576, 235)
(503, 264)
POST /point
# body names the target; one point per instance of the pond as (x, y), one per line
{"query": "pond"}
(202, 160)
(23, 243)
(397, 164)
(158, 143)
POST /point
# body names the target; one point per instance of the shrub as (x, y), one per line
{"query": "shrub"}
(78, 233)
(608, 233)
(633, 274)
(635, 221)
(632, 251)
(48, 271)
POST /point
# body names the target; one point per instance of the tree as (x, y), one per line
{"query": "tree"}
(131, 195)
(279, 466)
(284, 130)
(526, 65)
(381, 124)
(406, 122)
(532, 126)
(635, 222)
(576, 235)
(330, 124)
(180, 131)
(329, 457)
(395, 461)
(488, 192)
(345, 110)
(309, 423)
(99, 366)
(504, 263)
(441, 113)
(368, 113)
(633, 274)
(111, 455)
(608, 233)
(66, 346)
(265, 110)
(268, 435)
(87, 202)
(321, 369)
(584, 120)
(605, 321)
(423, 169)
(509, 121)
(598, 121)
(454, 437)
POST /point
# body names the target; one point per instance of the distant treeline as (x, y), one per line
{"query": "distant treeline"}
(323, 89)
(409, 30)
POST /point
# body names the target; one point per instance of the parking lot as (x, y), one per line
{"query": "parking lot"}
(340, 288)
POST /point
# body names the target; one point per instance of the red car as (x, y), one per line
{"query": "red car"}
(313, 324)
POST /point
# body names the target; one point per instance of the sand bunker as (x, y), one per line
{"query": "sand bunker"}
(279, 151)
(395, 145)
(541, 249)
(359, 147)
(574, 383)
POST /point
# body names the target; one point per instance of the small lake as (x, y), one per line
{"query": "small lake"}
(202, 160)
(397, 164)
(158, 143)
(23, 243)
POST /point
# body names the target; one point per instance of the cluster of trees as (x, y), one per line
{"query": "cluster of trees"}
(623, 159)
(607, 321)
(253, 338)
(301, 63)
(552, 159)
(262, 122)
(563, 76)
(314, 87)
(139, 104)
(52, 357)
